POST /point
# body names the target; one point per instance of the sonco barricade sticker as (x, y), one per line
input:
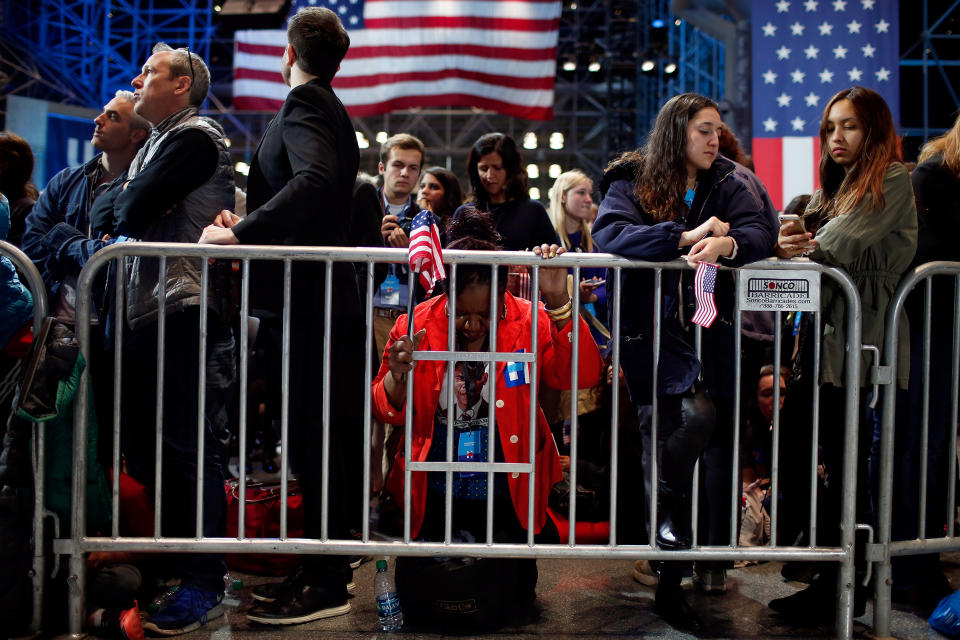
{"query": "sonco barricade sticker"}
(776, 290)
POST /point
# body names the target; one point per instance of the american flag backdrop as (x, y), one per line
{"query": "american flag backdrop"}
(804, 52)
(492, 54)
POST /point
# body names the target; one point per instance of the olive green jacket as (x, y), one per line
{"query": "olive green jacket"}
(874, 246)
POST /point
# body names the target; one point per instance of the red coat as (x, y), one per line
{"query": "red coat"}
(512, 403)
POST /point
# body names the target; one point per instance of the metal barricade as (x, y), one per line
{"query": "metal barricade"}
(34, 282)
(886, 547)
(80, 544)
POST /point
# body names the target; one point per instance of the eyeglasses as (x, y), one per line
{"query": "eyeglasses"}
(190, 60)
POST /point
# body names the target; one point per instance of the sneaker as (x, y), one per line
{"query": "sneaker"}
(272, 591)
(710, 580)
(304, 604)
(644, 573)
(190, 609)
(115, 623)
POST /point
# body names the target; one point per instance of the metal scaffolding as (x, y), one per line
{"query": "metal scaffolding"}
(82, 51)
(930, 68)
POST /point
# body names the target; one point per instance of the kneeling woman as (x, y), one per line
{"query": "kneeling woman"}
(470, 304)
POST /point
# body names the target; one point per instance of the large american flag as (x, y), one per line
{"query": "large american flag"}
(804, 52)
(492, 54)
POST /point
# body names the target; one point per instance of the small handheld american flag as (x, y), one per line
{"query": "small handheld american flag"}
(424, 252)
(704, 284)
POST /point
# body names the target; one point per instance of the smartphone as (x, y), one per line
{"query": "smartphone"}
(791, 217)
(594, 283)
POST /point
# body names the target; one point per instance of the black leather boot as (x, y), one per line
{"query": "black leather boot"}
(673, 526)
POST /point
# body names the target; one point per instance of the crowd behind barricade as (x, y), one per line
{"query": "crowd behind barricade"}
(163, 174)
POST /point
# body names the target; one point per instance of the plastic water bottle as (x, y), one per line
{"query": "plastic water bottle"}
(388, 603)
(164, 598)
(232, 592)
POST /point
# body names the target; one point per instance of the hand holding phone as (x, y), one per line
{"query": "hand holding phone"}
(787, 218)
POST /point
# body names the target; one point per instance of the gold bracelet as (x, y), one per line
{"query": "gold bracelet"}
(562, 309)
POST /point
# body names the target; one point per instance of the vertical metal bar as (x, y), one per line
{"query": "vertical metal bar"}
(695, 481)
(775, 445)
(534, 387)
(574, 393)
(367, 399)
(952, 464)
(654, 417)
(327, 346)
(408, 442)
(451, 413)
(925, 412)
(242, 382)
(848, 518)
(615, 406)
(735, 485)
(161, 357)
(39, 554)
(76, 581)
(881, 607)
(492, 424)
(117, 391)
(202, 391)
(815, 426)
(285, 396)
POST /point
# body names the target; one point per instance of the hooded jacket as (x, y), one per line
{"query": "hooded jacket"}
(624, 228)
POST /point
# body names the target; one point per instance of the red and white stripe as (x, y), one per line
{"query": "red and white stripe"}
(425, 256)
(706, 306)
(787, 166)
(493, 55)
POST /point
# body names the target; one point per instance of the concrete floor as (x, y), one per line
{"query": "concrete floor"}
(593, 599)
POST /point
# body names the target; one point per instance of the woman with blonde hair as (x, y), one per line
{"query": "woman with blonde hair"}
(863, 219)
(571, 210)
(917, 578)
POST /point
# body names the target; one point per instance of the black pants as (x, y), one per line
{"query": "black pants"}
(179, 474)
(683, 430)
(347, 387)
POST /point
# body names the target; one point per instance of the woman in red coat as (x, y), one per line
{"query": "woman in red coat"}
(472, 381)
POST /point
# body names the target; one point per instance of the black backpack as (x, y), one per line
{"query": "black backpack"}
(461, 594)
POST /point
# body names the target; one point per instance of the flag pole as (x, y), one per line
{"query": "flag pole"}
(411, 293)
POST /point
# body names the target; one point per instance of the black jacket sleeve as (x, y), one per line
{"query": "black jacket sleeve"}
(186, 160)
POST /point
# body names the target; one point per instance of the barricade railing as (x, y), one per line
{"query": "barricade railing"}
(919, 540)
(30, 277)
(119, 253)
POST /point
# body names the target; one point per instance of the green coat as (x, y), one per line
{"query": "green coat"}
(874, 247)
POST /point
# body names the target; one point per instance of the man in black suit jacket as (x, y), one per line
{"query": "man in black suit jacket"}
(299, 193)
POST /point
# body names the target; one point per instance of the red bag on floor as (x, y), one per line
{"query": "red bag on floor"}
(263, 521)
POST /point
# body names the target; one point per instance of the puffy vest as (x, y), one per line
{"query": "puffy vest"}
(183, 223)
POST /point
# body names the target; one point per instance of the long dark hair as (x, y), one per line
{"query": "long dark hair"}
(878, 149)
(516, 186)
(452, 194)
(661, 178)
(16, 167)
(474, 230)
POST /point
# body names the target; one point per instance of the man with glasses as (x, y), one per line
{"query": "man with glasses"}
(175, 186)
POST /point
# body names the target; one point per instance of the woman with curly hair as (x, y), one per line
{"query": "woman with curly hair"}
(676, 195)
